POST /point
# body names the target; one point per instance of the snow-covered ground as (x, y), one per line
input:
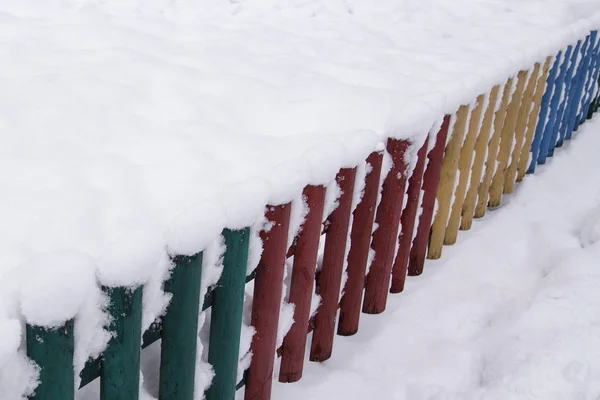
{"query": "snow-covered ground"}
(510, 312)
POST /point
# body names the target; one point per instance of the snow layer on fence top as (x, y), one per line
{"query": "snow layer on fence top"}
(133, 127)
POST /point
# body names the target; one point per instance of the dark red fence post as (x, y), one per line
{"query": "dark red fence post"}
(360, 243)
(333, 267)
(302, 285)
(430, 184)
(385, 236)
(267, 302)
(407, 221)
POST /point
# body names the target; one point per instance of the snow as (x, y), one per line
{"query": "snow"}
(136, 130)
(510, 311)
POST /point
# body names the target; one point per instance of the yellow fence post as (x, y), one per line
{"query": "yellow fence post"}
(506, 140)
(520, 130)
(447, 183)
(493, 147)
(464, 168)
(481, 145)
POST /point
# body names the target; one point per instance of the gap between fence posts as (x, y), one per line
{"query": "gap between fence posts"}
(360, 243)
(226, 315)
(332, 268)
(447, 183)
(385, 236)
(266, 303)
(431, 178)
(302, 285)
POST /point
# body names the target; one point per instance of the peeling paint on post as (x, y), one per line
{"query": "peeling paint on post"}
(51, 349)
(302, 285)
(360, 243)
(431, 178)
(332, 269)
(180, 330)
(386, 235)
(120, 373)
(266, 303)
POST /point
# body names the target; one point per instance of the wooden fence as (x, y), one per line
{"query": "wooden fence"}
(489, 145)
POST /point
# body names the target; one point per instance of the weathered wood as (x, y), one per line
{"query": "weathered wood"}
(447, 183)
(385, 236)
(532, 122)
(408, 220)
(493, 149)
(431, 178)
(464, 167)
(360, 243)
(51, 349)
(120, 373)
(330, 279)
(266, 303)
(302, 285)
(226, 315)
(540, 127)
(520, 130)
(180, 330)
(506, 140)
(481, 148)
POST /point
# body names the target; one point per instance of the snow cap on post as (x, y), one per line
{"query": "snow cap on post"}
(54, 287)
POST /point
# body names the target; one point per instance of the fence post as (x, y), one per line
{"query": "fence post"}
(586, 111)
(431, 178)
(408, 220)
(120, 372)
(521, 130)
(447, 183)
(548, 138)
(267, 303)
(545, 109)
(561, 126)
(385, 236)
(302, 285)
(481, 148)
(464, 168)
(180, 330)
(226, 315)
(534, 117)
(332, 269)
(360, 243)
(493, 149)
(582, 75)
(506, 140)
(52, 350)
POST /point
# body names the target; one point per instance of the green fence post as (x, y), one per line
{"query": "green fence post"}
(52, 350)
(180, 330)
(226, 316)
(120, 374)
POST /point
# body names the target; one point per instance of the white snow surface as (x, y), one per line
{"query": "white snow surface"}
(135, 129)
(509, 312)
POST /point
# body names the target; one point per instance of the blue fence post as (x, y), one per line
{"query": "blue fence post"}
(582, 71)
(560, 127)
(548, 138)
(592, 79)
(543, 116)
